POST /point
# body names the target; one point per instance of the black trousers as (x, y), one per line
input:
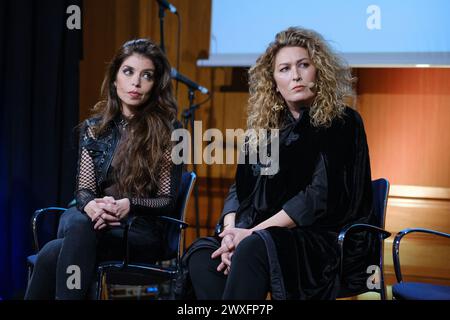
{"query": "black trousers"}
(78, 245)
(249, 277)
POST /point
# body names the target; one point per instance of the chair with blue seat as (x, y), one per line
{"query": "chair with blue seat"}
(45, 225)
(380, 192)
(143, 274)
(404, 290)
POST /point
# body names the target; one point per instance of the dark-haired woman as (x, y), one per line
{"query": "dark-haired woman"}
(125, 170)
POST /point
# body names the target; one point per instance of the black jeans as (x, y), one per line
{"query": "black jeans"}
(79, 245)
(248, 279)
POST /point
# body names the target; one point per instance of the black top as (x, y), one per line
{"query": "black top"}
(160, 202)
(323, 183)
(301, 207)
(304, 207)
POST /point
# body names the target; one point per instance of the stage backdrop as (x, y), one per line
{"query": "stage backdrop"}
(39, 62)
(382, 33)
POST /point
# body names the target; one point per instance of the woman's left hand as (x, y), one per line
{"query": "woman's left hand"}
(122, 208)
(238, 235)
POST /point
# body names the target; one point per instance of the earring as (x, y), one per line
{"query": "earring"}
(277, 107)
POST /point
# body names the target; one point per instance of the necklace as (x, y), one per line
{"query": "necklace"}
(123, 123)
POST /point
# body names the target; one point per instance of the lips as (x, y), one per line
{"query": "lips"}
(134, 94)
(298, 88)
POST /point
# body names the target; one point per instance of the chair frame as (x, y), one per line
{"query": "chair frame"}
(37, 215)
(125, 264)
(164, 273)
(383, 234)
(34, 222)
(396, 246)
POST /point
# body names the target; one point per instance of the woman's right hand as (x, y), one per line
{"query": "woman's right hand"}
(227, 245)
(99, 215)
(227, 248)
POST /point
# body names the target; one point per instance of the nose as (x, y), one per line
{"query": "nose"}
(136, 81)
(296, 74)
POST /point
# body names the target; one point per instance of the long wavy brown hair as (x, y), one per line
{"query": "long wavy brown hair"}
(149, 130)
(333, 82)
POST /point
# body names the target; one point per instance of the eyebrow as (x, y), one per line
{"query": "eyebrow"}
(127, 66)
(288, 63)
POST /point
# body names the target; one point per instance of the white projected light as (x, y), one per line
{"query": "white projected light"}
(383, 33)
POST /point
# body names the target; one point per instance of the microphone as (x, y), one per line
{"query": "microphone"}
(191, 84)
(167, 5)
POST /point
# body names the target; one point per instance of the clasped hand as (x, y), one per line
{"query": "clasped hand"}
(230, 240)
(107, 211)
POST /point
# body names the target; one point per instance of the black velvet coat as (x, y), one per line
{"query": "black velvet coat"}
(304, 260)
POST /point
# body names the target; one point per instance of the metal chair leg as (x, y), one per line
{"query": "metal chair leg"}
(99, 284)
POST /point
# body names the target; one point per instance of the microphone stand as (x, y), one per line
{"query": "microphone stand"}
(189, 117)
(161, 26)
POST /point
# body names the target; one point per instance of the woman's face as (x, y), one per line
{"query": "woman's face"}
(295, 76)
(135, 80)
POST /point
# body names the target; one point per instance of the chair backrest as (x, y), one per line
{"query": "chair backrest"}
(44, 225)
(380, 191)
(172, 230)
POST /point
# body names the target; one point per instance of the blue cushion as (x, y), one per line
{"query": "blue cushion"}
(420, 291)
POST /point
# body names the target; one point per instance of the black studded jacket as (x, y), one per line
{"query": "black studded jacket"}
(95, 178)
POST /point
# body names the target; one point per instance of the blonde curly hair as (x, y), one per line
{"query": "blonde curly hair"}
(333, 83)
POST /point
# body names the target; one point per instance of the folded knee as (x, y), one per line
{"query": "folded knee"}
(48, 255)
(249, 248)
(76, 221)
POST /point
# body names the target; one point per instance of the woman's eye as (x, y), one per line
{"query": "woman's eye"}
(304, 65)
(284, 69)
(127, 72)
(148, 76)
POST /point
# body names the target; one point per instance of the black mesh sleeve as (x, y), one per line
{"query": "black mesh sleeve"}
(164, 201)
(86, 186)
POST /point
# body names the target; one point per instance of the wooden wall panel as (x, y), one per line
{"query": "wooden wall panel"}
(98, 48)
(423, 257)
(407, 117)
